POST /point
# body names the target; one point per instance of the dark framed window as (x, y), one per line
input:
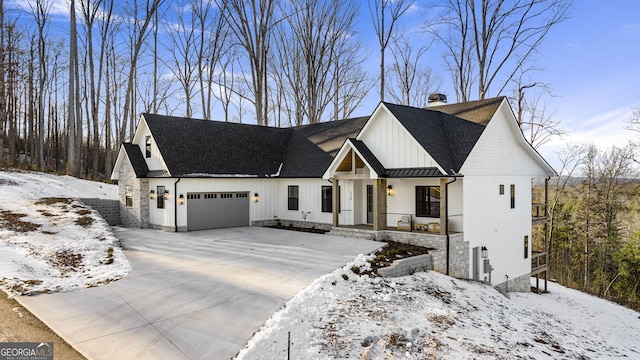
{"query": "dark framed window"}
(327, 198)
(128, 196)
(526, 246)
(292, 197)
(501, 189)
(428, 201)
(160, 197)
(513, 196)
(147, 146)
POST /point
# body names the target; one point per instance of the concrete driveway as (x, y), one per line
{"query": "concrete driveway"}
(195, 295)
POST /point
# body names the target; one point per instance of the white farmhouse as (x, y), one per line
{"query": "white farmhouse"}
(456, 178)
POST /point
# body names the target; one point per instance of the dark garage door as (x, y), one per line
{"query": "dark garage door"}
(217, 210)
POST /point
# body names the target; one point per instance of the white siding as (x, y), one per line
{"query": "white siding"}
(264, 209)
(403, 201)
(310, 200)
(502, 151)
(155, 162)
(490, 221)
(390, 142)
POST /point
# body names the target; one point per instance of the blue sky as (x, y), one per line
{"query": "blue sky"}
(590, 61)
(592, 64)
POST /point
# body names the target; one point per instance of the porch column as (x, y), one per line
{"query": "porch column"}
(443, 206)
(379, 204)
(335, 201)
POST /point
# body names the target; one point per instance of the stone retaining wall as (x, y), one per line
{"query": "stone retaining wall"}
(520, 284)
(408, 266)
(292, 223)
(108, 209)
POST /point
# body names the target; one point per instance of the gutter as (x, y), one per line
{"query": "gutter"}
(446, 217)
(175, 204)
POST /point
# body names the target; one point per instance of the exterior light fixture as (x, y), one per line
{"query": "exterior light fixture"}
(181, 199)
(390, 190)
(256, 197)
(152, 194)
(166, 195)
(485, 252)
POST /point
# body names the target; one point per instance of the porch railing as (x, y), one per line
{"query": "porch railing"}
(538, 213)
(538, 262)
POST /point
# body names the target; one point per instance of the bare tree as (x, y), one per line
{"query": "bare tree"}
(182, 47)
(307, 47)
(40, 11)
(385, 15)
(252, 24)
(488, 42)
(138, 37)
(411, 81)
(351, 82)
(3, 98)
(537, 124)
(211, 47)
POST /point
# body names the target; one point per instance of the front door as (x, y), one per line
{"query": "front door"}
(369, 204)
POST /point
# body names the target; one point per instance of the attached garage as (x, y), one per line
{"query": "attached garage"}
(213, 210)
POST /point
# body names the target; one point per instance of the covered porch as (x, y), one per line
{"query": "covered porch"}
(404, 199)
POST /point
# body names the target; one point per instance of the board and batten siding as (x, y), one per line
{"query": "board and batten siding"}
(154, 162)
(264, 209)
(403, 201)
(310, 200)
(392, 144)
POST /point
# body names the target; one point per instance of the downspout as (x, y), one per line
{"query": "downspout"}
(446, 217)
(175, 204)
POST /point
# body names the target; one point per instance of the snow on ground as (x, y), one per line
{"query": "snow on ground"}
(432, 316)
(54, 244)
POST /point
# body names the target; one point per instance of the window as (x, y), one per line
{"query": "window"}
(513, 196)
(128, 196)
(526, 246)
(327, 199)
(292, 197)
(501, 189)
(147, 146)
(428, 201)
(160, 197)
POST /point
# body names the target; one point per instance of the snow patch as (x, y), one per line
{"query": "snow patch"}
(58, 245)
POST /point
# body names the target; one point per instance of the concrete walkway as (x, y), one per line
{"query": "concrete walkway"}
(195, 295)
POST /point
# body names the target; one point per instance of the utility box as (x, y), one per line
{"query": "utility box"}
(487, 266)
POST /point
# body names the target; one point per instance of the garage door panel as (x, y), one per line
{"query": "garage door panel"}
(217, 210)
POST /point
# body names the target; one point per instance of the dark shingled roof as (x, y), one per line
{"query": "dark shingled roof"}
(369, 157)
(137, 160)
(479, 111)
(312, 147)
(448, 139)
(193, 147)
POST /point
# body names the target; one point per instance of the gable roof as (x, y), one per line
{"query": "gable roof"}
(192, 147)
(479, 111)
(137, 160)
(311, 148)
(447, 138)
(203, 148)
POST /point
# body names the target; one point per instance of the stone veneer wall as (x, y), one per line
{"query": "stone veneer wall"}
(520, 284)
(138, 214)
